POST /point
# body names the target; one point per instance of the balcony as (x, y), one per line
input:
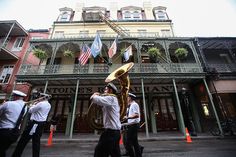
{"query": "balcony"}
(163, 68)
(222, 68)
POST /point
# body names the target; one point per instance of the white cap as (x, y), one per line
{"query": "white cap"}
(19, 93)
(111, 85)
(132, 95)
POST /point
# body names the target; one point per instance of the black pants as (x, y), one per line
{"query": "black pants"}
(132, 144)
(6, 140)
(108, 144)
(26, 137)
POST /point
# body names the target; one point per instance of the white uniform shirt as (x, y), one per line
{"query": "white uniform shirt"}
(9, 113)
(133, 109)
(39, 112)
(111, 111)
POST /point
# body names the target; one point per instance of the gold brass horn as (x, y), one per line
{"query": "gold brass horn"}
(94, 113)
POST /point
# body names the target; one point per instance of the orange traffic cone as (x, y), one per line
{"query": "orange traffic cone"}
(121, 139)
(188, 136)
(50, 138)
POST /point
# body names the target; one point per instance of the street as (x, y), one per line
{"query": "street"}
(172, 148)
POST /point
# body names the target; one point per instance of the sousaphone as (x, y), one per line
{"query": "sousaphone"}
(94, 114)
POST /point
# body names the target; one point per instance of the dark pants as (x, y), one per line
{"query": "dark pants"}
(108, 144)
(132, 144)
(6, 140)
(25, 138)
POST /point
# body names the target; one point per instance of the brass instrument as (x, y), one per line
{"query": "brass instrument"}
(31, 102)
(94, 114)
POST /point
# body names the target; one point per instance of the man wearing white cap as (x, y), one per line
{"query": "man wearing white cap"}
(133, 118)
(9, 114)
(108, 143)
(34, 129)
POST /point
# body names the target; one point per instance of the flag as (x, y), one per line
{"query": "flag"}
(86, 53)
(113, 48)
(128, 53)
(96, 46)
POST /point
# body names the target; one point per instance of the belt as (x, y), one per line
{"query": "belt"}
(6, 129)
(108, 129)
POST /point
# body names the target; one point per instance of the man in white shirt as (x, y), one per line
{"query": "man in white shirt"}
(108, 143)
(133, 118)
(9, 114)
(34, 129)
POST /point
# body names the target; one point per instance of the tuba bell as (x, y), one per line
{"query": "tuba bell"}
(94, 114)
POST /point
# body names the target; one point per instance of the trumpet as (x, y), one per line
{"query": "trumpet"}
(31, 102)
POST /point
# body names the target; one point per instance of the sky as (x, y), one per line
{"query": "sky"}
(191, 18)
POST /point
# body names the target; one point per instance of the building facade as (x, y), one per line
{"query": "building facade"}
(165, 85)
(14, 43)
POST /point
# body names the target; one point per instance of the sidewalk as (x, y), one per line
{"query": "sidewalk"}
(90, 137)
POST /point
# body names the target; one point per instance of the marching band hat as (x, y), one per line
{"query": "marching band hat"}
(113, 87)
(18, 93)
(132, 95)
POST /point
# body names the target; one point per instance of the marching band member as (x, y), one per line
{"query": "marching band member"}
(9, 114)
(108, 143)
(34, 129)
(133, 118)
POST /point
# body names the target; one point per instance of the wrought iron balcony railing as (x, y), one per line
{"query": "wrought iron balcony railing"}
(105, 69)
(221, 68)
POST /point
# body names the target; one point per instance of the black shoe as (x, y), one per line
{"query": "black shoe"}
(126, 154)
(141, 149)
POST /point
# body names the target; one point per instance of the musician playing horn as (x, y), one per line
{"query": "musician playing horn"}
(108, 143)
(34, 129)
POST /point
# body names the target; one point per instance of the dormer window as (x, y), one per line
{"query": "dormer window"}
(161, 15)
(65, 16)
(127, 15)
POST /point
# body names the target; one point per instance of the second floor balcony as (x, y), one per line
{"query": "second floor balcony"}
(150, 68)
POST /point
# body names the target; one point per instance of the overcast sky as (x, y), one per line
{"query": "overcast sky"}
(205, 18)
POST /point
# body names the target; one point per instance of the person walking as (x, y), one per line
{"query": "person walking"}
(34, 129)
(10, 112)
(133, 149)
(108, 143)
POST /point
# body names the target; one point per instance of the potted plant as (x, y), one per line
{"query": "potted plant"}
(154, 54)
(41, 54)
(68, 53)
(181, 53)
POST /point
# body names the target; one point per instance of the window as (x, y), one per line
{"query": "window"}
(59, 34)
(83, 34)
(6, 73)
(18, 44)
(165, 33)
(142, 32)
(160, 15)
(136, 15)
(64, 17)
(127, 15)
(36, 37)
(101, 32)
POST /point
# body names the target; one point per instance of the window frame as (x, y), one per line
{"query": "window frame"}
(8, 71)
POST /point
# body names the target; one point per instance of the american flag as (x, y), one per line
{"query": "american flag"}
(86, 53)
(113, 48)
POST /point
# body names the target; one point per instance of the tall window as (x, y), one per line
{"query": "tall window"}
(6, 73)
(18, 44)
(165, 33)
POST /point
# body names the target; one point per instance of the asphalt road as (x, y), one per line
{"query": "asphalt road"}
(173, 148)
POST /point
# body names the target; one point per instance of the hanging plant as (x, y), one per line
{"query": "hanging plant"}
(68, 53)
(154, 54)
(41, 54)
(181, 53)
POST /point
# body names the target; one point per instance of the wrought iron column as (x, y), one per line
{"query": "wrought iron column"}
(213, 107)
(74, 108)
(46, 86)
(145, 109)
(182, 125)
